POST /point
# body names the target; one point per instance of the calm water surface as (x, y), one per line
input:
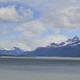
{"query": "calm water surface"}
(39, 69)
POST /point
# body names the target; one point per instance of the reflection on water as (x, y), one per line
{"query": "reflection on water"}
(39, 69)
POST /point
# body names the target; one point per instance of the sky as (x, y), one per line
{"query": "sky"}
(29, 24)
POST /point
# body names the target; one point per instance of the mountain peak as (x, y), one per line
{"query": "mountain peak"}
(73, 40)
(76, 38)
(17, 48)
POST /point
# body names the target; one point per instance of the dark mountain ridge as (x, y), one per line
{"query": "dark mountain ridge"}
(69, 48)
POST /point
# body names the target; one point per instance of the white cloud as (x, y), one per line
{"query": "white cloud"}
(30, 31)
(54, 16)
(34, 27)
(10, 44)
(10, 14)
(67, 17)
(7, 44)
(52, 38)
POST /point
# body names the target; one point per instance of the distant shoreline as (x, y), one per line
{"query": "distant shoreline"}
(42, 58)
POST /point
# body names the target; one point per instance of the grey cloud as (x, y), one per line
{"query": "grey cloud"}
(52, 17)
(67, 17)
(10, 14)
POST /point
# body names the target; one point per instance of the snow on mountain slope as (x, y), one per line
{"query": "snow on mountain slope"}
(70, 42)
(67, 48)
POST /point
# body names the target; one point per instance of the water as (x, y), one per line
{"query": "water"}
(39, 69)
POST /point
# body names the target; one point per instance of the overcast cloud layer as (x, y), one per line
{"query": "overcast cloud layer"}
(29, 24)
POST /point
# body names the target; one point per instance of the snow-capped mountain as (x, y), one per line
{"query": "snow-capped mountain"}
(73, 42)
(70, 42)
(14, 51)
(69, 48)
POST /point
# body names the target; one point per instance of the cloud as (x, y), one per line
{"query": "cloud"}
(43, 2)
(11, 44)
(3, 32)
(52, 38)
(53, 19)
(11, 14)
(55, 15)
(27, 13)
(8, 0)
(31, 33)
(67, 17)
(27, 43)
(33, 27)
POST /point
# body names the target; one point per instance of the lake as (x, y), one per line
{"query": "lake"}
(39, 69)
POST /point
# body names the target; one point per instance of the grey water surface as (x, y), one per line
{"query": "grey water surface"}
(39, 69)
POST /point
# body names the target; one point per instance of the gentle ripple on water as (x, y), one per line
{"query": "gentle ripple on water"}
(39, 69)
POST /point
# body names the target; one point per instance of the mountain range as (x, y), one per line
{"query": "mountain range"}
(69, 48)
